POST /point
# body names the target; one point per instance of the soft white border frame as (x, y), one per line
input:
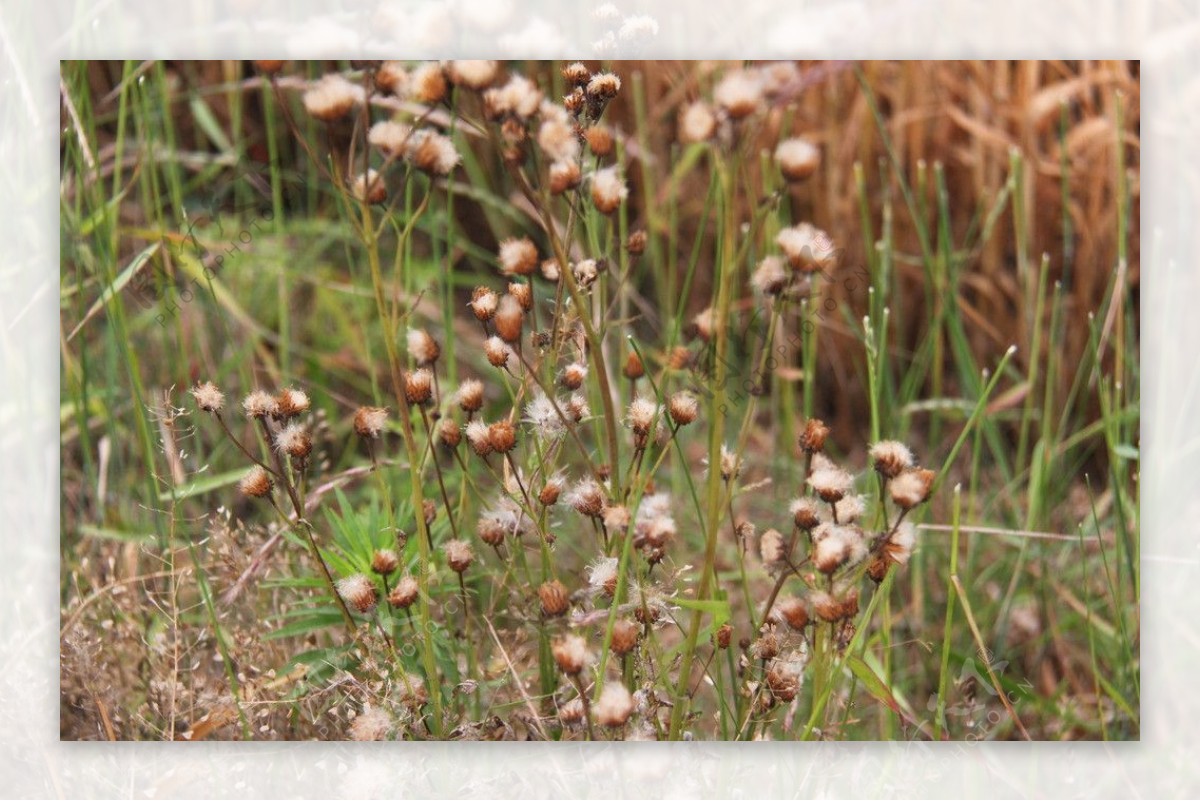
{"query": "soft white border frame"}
(34, 36)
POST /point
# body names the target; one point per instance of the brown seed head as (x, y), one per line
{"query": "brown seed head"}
(449, 433)
(724, 635)
(269, 67)
(683, 407)
(812, 439)
(624, 636)
(554, 598)
(575, 74)
(405, 593)
(509, 318)
(912, 487)
(570, 654)
(574, 375)
(550, 492)
(291, 402)
(391, 77)
(794, 612)
(384, 562)
(634, 369)
(502, 436)
(636, 243)
(523, 293)
(600, 140)
(470, 395)
(458, 555)
(208, 397)
(564, 176)
(369, 421)
(418, 386)
(359, 593)
(483, 303)
(256, 483)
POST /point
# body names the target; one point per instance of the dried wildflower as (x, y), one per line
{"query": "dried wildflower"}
(783, 678)
(608, 190)
(797, 158)
(422, 347)
(564, 176)
(911, 488)
(812, 439)
(770, 278)
(636, 243)
(577, 408)
(794, 612)
(259, 404)
(543, 417)
(900, 544)
(616, 518)
(519, 97)
(432, 153)
(574, 101)
(477, 437)
(772, 549)
(832, 547)
(683, 407)
(731, 464)
(891, 458)
(427, 84)
(418, 386)
(624, 636)
(291, 403)
(473, 74)
(570, 654)
(458, 555)
(332, 97)
(574, 375)
(483, 303)
(497, 352)
(369, 421)
(369, 187)
(697, 123)
(808, 248)
(641, 415)
(470, 395)
(384, 562)
(587, 498)
(359, 593)
(490, 529)
(509, 318)
(294, 440)
(392, 77)
(615, 705)
(556, 137)
(548, 496)
(256, 483)
(739, 93)
(599, 140)
(518, 256)
(602, 575)
(502, 436)
(208, 397)
(586, 272)
(825, 607)
(370, 725)
(391, 138)
(829, 481)
(805, 513)
(765, 647)
(724, 635)
(702, 324)
(634, 369)
(576, 74)
(571, 713)
(554, 598)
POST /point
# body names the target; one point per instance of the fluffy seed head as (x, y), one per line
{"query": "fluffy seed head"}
(498, 353)
(608, 190)
(770, 278)
(554, 598)
(616, 518)
(474, 74)
(391, 138)
(587, 498)
(911, 488)
(576, 74)
(557, 139)
(832, 550)
(794, 612)
(369, 187)
(477, 437)
(294, 441)
(564, 176)
(602, 575)
(259, 404)
(470, 395)
(586, 272)
(490, 529)
(683, 407)
(291, 403)
(641, 415)
(359, 593)
(518, 256)
(765, 647)
(829, 481)
(458, 555)
(599, 140)
(418, 386)
(548, 496)
(570, 654)
(697, 123)
(404, 594)
(772, 549)
(615, 705)
(256, 483)
(483, 303)
(543, 417)
(427, 83)
(370, 725)
(574, 375)
(739, 93)
(783, 681)
(520, 98)
(891, 458)
(805, 513)
(797, 158)
(702, 324)
(603, 85)
(384, 562)
(423, 348)
(899, 546)
(731, 464)
(208, 397)
(432, 153)
(812, 439)
(808, 248)
(509, 318)
(332, 97)
(577, 408)
(392, 77)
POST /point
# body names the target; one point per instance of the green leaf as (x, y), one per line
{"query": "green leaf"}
(117, 285)
(203, 486)
(875, 685)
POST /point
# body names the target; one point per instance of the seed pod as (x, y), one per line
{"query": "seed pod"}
(369, 421)
(449, 433)
(384, 562)
(256, 483)
(418, 386)
(570, 654)
(634, 369)
(405, 593)
(358, 592)
(554, 598)
(502, 436)
(458, 555)
(812, 440)
(600, 140)
(724, 635)
(483, 303)
(793, 611)
(683, 408)
(508, 319)
(624, 636)
(524, 295)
